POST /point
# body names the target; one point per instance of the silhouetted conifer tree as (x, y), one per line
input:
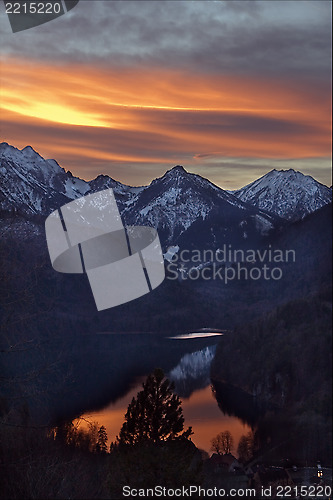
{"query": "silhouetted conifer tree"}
(102, 438)
(155, 414)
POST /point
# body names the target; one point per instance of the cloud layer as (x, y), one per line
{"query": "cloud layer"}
(130, 88)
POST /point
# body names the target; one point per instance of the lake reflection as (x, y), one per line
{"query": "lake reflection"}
(195, 335)
(200, 411)
(106, 372)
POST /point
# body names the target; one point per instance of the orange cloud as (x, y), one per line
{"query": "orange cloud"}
(80, 113)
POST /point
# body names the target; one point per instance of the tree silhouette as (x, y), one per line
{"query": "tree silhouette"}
(152, 447)
(101, 440)
(245, 447)
(222, 443)
(155, 415)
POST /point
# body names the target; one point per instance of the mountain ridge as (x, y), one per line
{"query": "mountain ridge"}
(171, 203)
(183, 206)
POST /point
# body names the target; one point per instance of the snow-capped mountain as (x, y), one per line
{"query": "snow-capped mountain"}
(32, 185)
(187, 209)
(286, 193)
(179, 201)
(174, 203)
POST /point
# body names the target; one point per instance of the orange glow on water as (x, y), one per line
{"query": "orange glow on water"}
(200, 412)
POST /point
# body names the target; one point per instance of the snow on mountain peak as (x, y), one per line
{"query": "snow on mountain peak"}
(54, 164)
(178, 169)
(29, 152)
(171, 203)
(287, 193)
(32, 184)
(177, 172)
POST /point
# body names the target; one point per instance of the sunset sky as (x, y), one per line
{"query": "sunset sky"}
(229, 89)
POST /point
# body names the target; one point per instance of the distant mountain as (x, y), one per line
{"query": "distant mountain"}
(286, 193)
(172, 204)
(190, 210)
(187, 209)
(32, 185)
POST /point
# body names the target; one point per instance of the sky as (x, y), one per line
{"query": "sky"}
(228, 89)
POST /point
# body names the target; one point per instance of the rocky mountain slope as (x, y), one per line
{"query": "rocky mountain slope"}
(286, 193)
(173, 203)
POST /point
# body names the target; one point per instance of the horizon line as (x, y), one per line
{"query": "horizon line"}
(172, 168)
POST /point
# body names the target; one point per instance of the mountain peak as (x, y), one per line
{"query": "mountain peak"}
(282, 172)
(28, 149)
(289, 194)
(29, 152)
(6, 148)
(178, 169)
(175, 174)
(35, 185)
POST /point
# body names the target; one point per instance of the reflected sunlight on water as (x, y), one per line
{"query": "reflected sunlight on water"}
(195, 335)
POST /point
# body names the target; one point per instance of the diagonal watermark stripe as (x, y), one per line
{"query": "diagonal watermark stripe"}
(87, 235)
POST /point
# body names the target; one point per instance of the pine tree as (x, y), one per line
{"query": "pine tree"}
(101, 440)
(155, 415)
(152, 447)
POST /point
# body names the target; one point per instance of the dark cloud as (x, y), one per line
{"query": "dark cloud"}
(89, 142)
(226, 122)
(247, 37)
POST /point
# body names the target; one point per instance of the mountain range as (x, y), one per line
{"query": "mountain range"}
(190, 213)
(187, 209)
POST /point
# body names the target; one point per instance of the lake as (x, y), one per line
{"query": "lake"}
(192, 384)
(200, 411)
(97, 375)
